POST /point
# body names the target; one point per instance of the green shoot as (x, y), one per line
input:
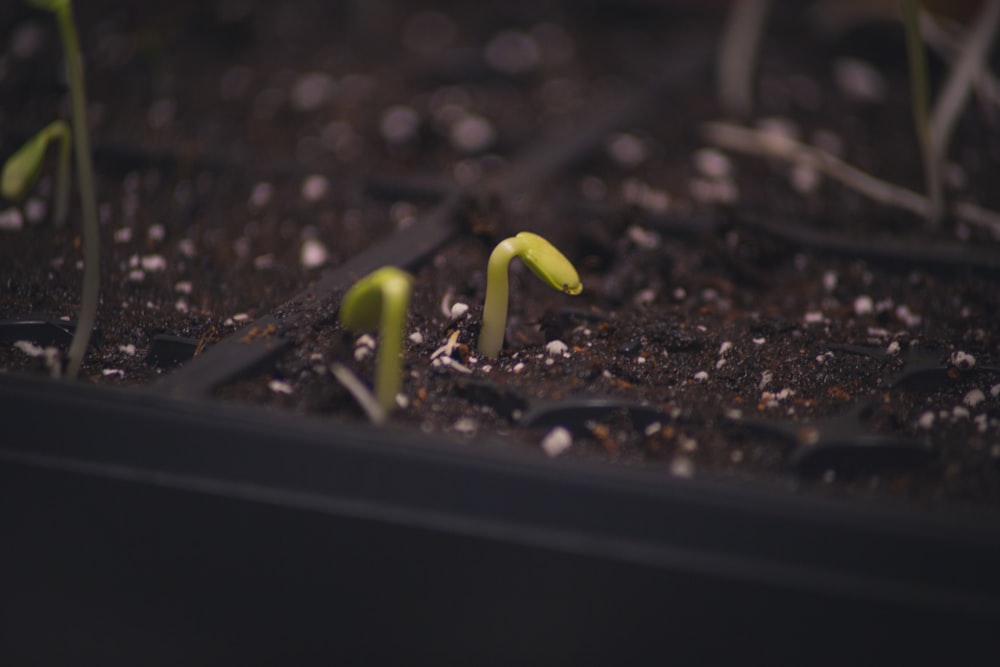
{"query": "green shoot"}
(544, 260)
(380, 300)
(63, 11)
(22, 168)
(920, 100)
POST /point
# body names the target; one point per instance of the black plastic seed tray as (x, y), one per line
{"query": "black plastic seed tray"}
(143, 530)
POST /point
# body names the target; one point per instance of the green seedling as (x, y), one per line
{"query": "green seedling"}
(544, 260)
(379, 301)
(22, 168)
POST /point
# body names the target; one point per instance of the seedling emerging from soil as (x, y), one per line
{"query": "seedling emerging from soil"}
(63, 10)
(22, 168)
(544, 260)
(379, 301)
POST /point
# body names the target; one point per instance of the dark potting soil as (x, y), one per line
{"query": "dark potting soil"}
(740, 318)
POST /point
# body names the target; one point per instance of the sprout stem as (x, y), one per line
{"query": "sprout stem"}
(544, 260)
(91, 231)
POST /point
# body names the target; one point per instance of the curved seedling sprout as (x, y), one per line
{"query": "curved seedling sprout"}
(380, 300)
(544, 260)
(22, 168)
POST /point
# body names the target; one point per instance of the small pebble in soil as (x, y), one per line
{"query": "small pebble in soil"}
(926, 420)
(557, 441)
(759, 341)
(958, 412)
(859, 80)
(416, 338)
(127, 349)
(182, 306)
(313, 254)
(156, 232)
(402, 401)
(518, 367)
(974, 398)
(700, 376)
(995, 390)
(512, 52)
(814, 317)
(893, 348)
(113, 372)
(315, 187)
(829, 281)
(626, 150)
(962, 360)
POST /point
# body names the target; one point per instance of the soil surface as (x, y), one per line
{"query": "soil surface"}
(740, 317)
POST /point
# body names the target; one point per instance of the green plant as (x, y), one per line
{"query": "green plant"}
(380, 300)
(22, 168)
(544, 260)
(24, 164)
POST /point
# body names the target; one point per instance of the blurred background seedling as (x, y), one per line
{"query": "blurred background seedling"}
(23, 167)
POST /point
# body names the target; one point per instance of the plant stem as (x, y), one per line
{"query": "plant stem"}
(738, 53)
(388, 365)
(91, 231)
(920, 96)
(495, 306)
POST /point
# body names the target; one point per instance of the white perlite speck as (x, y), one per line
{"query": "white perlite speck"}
(995, 390)
(893, 348)
(682, 467)
(472, 134)
(363, 347)
(701, 376)
(11, 220)
(280, 387)
(458, 310)
(926, 420)
(974, 398)
(153, 263)
(29, 348)
(313, 254)
(962, 360)
(863, 305)
(557, 348)
(315, 187)
(557, 441)
(465, 426)
(416, 338)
